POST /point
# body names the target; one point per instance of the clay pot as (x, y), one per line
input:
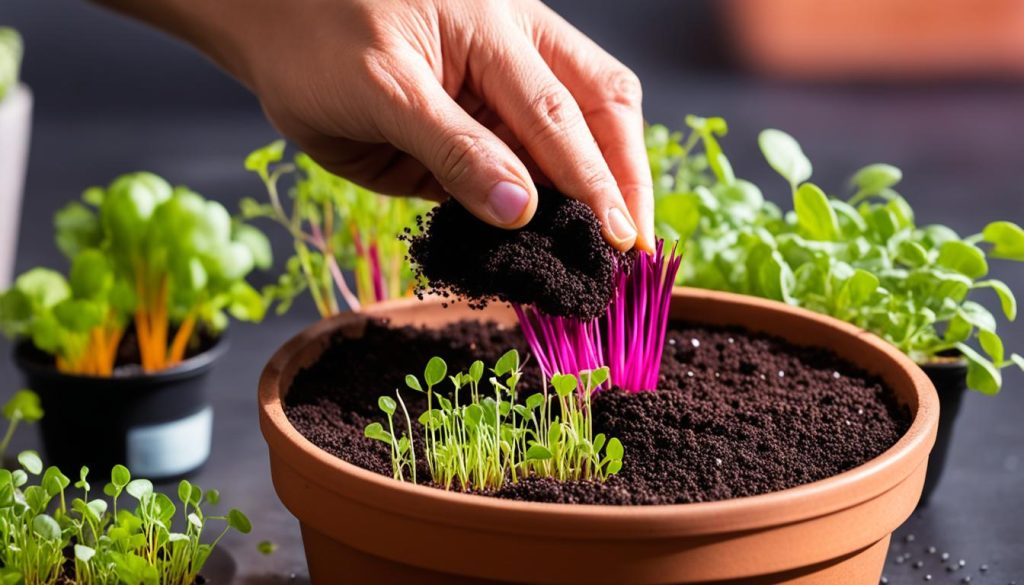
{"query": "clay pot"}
(879, 39)
(361, 527)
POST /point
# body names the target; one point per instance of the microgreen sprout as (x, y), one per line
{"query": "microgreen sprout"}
(629, 338)
(479, 438)
(863, 259)
(50, 535)
(334, 225)
(24, 406)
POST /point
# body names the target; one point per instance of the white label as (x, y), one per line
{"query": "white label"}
(171, 448)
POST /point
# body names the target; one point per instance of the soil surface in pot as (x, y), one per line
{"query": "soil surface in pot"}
(736, 414)
(558, 262)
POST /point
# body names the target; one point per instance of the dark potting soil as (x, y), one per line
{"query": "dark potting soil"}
(558, 262)
(736, 414)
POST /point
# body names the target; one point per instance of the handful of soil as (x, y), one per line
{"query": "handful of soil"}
(559, 262)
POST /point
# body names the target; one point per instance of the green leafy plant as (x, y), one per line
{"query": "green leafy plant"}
(50, 535)
(489, 438)
(24, 407)
(335, 225)
(10, 59)
(861, 258)
(163, 259)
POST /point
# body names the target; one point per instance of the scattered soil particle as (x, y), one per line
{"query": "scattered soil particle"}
(558, 262)
(736, 414)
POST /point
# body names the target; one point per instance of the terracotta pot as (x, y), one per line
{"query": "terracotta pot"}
(361, 527)
(879, 39)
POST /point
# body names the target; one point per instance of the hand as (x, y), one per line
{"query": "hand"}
(438, 97)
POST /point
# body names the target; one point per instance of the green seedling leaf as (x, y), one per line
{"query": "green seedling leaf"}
(476, 371)
(814, 214)
(139, 488)
(507, 363)
(212, 497)
(1007, 240)
(1007, 300)
(387, 404)
(239, 521)
(54, 481)
(981, 374)
(874, 178)
(538, 453)
(31, 462)
(534, 401)
(45, 527)
(266, 547)
(185, 491)
(376, 431)
(993, 346)
(977, 316)
(435, 371)
(120, 476)
(23, 405)
(1018, 360)
(784, 155)
(413, 383)
(964, 258)
(84, 553)
(614, 449)
(260, 159)
(564, 384)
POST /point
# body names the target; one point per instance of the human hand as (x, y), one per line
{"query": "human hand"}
(436, 97)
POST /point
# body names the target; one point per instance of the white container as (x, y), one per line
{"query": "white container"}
(15, 128)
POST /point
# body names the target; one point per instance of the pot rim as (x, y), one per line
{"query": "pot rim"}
(815, 499)
(188, 368)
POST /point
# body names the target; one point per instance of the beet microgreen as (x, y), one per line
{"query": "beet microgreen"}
(25, 407)
(862, 259)
(335, 225)
(629, 338)
(479, 438)
(164, 259)
(135, 544)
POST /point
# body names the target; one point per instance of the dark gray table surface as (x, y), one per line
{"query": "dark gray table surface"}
(961, 150)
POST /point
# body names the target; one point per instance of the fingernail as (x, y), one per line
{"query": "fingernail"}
(620, 226)
(507, 202)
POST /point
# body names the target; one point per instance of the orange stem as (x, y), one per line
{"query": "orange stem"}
(181, 340)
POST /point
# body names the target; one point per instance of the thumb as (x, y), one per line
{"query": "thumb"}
(472, 164)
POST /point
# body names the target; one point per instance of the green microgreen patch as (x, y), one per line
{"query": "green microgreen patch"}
(862, 258)
(23, 406)
(335, 225)
(481, 435)
(53, 531)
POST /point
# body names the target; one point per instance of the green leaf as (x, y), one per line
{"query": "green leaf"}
(977, 316)
(677, 215)
(260, 159)
(31, 462)
(23, 405)
(564, 384)
(84, 553)
(435, 371)
(387, 404)
(247, 304)
(413, 383)
(139, 488)
(814, 214)
(120, 476)
(239, 521)
(1007, 300)
(784, 155)
(981, 374)
(185, 491)
(507, 363)
(44, 288)
(376, 432)
(45, 527)
(876, 177)
(614, 449)
(993, 346)
(964, 258)
(1007, 239)
(257, 242)
(54, 481)
(1018, 359)
(266, 547)
(912, 254)
(77, 228)
(538, 453)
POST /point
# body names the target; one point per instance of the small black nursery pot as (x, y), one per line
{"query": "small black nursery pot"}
(950, 380)
(159, 425)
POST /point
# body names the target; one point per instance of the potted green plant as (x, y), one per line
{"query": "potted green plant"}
(862, 259)
(119, 349)
(678, 436)
(335, 226)
(15, 128)
(56, 531)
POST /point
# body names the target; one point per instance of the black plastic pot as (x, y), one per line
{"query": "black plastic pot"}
(159, 425)
(950, 379)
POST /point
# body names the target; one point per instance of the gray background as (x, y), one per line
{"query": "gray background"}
(113, 96)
